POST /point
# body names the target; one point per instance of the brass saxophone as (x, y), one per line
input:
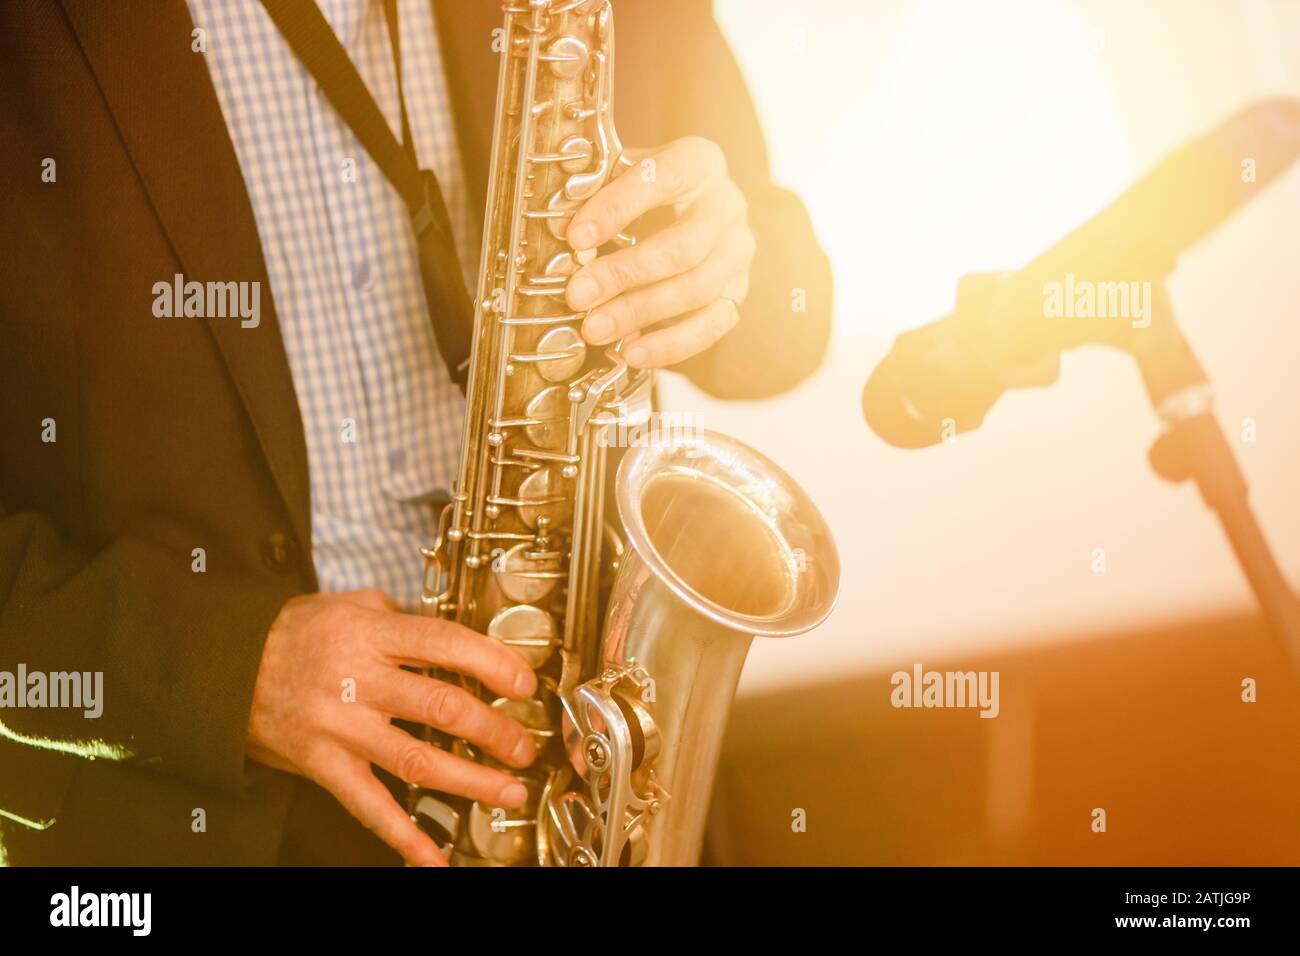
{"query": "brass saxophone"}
(719, 544)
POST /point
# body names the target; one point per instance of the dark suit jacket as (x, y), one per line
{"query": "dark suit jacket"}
(172, 435)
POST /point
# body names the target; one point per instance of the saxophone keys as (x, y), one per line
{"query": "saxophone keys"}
(549, 412)
(568, 821)
(500, 836)
(560, 209)
(554, 359)
(574, 830)
(528, 630)
(580, 151)
(573, 156)
(645, 732)
(570, 353)
(567, 56)
(522, 579)
(543, 497)
(439, 820)
(578, 110)
(560, 266)
(532, 714)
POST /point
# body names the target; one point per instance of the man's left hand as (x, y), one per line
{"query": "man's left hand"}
(689, 278)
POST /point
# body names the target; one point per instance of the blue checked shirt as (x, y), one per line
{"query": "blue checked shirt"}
(382, 418)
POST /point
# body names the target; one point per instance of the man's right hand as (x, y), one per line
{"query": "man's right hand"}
(304, 721)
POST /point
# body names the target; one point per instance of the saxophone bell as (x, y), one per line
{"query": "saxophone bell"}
(722, 545)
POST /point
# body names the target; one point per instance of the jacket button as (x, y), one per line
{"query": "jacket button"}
(280, 552)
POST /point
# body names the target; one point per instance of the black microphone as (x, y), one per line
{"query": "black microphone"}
(1008, 330)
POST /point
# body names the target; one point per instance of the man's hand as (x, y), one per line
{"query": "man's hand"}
(302, 720)
(695, 272)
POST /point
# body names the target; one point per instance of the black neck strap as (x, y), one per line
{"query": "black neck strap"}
(314, 43)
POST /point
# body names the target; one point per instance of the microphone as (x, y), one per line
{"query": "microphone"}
(1093, 287)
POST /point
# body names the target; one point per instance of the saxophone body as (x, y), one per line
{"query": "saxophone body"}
(638, 637)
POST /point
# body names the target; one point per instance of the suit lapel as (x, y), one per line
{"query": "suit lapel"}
(164, 105)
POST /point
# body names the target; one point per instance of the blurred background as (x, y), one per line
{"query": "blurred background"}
(933, 138)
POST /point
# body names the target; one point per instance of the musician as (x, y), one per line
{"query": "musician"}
(222, 513)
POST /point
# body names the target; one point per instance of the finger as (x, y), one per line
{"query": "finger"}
(372, 598)
(430, 642)
(420, 763)
(438, 704)
(365, 798)
(690, 336)
(673, 175)
(680, 247)
(678, 295)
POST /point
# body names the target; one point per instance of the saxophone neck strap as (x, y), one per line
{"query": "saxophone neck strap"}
(312, 40)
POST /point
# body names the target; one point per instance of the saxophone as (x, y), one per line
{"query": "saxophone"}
(718, 544)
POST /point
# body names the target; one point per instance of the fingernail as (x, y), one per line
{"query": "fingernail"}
(514, 795)
(635, 355)
(582, 290)
(524, 751)
(582, 236)
(525, 683)
(598, 328)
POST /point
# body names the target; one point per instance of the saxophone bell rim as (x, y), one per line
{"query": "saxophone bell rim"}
(804, 541)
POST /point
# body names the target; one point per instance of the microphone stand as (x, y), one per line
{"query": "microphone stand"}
(1193, 447)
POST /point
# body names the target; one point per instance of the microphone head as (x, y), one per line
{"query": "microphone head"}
(929, 387)
(941, 379)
